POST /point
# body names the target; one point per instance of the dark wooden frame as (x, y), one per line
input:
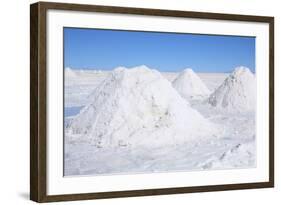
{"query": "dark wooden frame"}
(38, 97)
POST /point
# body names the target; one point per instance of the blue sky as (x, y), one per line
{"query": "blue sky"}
(107, 49)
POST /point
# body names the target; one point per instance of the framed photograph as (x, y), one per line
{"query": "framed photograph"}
(134, 102)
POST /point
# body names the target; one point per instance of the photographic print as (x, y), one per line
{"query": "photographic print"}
(145, 102)
(128, 102)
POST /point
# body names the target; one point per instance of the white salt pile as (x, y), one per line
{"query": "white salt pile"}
(189, 85)
(138, 106)
(237, 92)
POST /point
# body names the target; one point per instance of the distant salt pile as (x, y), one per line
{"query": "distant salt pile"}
(69, 73)
(81, 72)
(237, 93)
(189, 85)
(138, 106)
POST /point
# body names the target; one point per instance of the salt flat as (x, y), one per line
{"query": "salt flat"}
(232, 147)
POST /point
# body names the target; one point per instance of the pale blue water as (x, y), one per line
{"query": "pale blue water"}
(72, 111)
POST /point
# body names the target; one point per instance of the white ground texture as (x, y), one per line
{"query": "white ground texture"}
(138, 120)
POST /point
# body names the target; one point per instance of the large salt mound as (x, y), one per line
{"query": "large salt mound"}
(138, 106)
(237, 92)
(189, 85)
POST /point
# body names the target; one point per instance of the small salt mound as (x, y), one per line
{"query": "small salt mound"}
(237, 92)
(69, 73)
(189, 85)
(138, 106)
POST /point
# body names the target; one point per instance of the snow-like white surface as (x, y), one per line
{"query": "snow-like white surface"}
(237, 93)
(124, 126)
(189, 85)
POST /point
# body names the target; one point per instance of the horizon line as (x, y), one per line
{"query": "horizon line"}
(108, 70)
